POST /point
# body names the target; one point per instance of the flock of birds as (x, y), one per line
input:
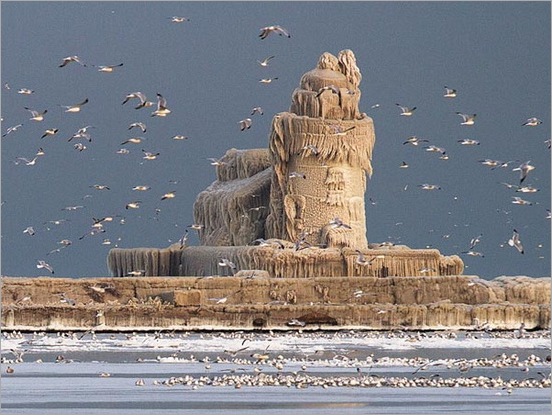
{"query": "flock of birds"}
(523, 167)
(82, 138)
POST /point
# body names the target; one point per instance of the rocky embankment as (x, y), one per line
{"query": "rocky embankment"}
(252, 300)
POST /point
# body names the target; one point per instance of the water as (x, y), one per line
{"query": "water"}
(204, 375)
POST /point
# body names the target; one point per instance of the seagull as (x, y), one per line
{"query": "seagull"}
(12, 129)
(162, 110)
(182, 241)
(82, 133)
(532, 122)
(519, 201)
(141, 188)
(50, 131)
(40, 152)
(426, 186)
(133, 205)
(25, 91)
(468, 142)
(338, 223)
(137, 273)
(548, 143)
(227, 263)
(407, 112)
(340, 131)
(361, 260)
(196, 227)
(180, 137)
(76, 107)
(524, 170)
(404, 165)
(267, 80)
(467, 119)
(72, 207)
(100, 187)
(449, 92)
(264, 62)
(475, 241)
(257, 110)
(142, 97)
(312, 148)
(415, 141)
(44, 264)
(245, 124)
(527, 189)
(29, 230)
(133, 140)
(178, 19)
(169, 195)
(26, 161)
(491, 163)
(70, 59)
(333, 88)
(139, 125)
(515, 242)
(265, 31)
(435, 149)
(80, 147)
(216, 162)
(149, 156)
(36, 116)
(107, 68)
(295, 174)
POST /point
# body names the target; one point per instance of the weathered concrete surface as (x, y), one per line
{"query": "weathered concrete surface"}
(451, 302)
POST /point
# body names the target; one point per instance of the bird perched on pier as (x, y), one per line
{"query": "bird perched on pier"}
(279, 30)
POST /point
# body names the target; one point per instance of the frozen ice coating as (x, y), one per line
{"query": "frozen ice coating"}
(305, 193)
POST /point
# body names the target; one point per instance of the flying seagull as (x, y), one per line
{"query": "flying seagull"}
(406, 111)
(162, 110)
(524, 170)
(245, 124)
(449, 92)
(139, 125)
(467, 119)
(107, 68)
(265, 31)
(76, 107)
(36, 116)
(45, 265)
(264, 62)
(50, 131)
(515, 242)
(70, 59)
(141, 97)
(532, 122)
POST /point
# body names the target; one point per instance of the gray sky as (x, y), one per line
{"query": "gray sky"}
(496, 54)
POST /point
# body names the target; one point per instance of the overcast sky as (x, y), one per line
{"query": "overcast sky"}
(496, 54)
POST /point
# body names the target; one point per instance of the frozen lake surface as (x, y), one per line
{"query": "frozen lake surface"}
(276, 373)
